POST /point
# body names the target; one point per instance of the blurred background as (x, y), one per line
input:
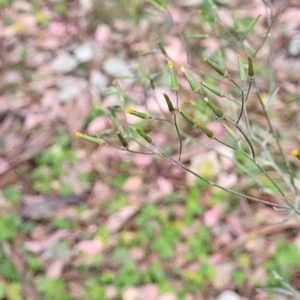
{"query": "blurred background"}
(82, 221)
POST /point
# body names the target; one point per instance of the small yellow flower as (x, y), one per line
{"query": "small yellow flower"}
(181, 68)
(296, 153)
(128, 110)
(170, 64)
(78, 134)
(136, 113)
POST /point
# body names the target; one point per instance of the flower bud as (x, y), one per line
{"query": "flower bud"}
(214, 108)
(144, 135)
(212, 89)
(216, 67)
(136, 113)
(296, 153)
(193, 83)
(230, 131)
(122, 139)
(93, 139)
(174, 82)
(250, 67)
(169, 103)
(203, 128)
(188, 118)
(241, 68)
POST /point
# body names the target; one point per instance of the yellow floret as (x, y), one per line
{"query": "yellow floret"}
(78, 134)
(170, 64)
(128, 110)
(295, 152)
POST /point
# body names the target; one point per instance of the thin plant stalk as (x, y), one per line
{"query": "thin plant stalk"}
(275, 136)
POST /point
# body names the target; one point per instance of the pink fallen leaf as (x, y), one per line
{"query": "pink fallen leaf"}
(110, 292)
(130, 293)
(175, 50)
(55, 270)
(50, 103)
(165, 186)
(102, 34)
(212, 216)
(100, 192)
(236, 225)
(39, 246)
(142, 160)
(89, 248)
(117, 220)
(215, 259)
(215, 127)
(168, 296)
(149, 292)
(32, 120)
(58, 29)
(137, 254)
(50, 43)
(132, 184)
(222, 276)
(97, 125)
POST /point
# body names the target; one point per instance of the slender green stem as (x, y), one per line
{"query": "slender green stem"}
(270, 20)
(243, 99)
(179, 164)
(275, 136)
(248, 91)
(159, 119)
(177, 129)
(127, 149)
(245, 136)
(175, 162)
(227, 145)
(242, 109)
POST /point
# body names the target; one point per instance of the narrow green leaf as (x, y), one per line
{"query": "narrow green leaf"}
(198, 36)
(158, 4)
(120, 93)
